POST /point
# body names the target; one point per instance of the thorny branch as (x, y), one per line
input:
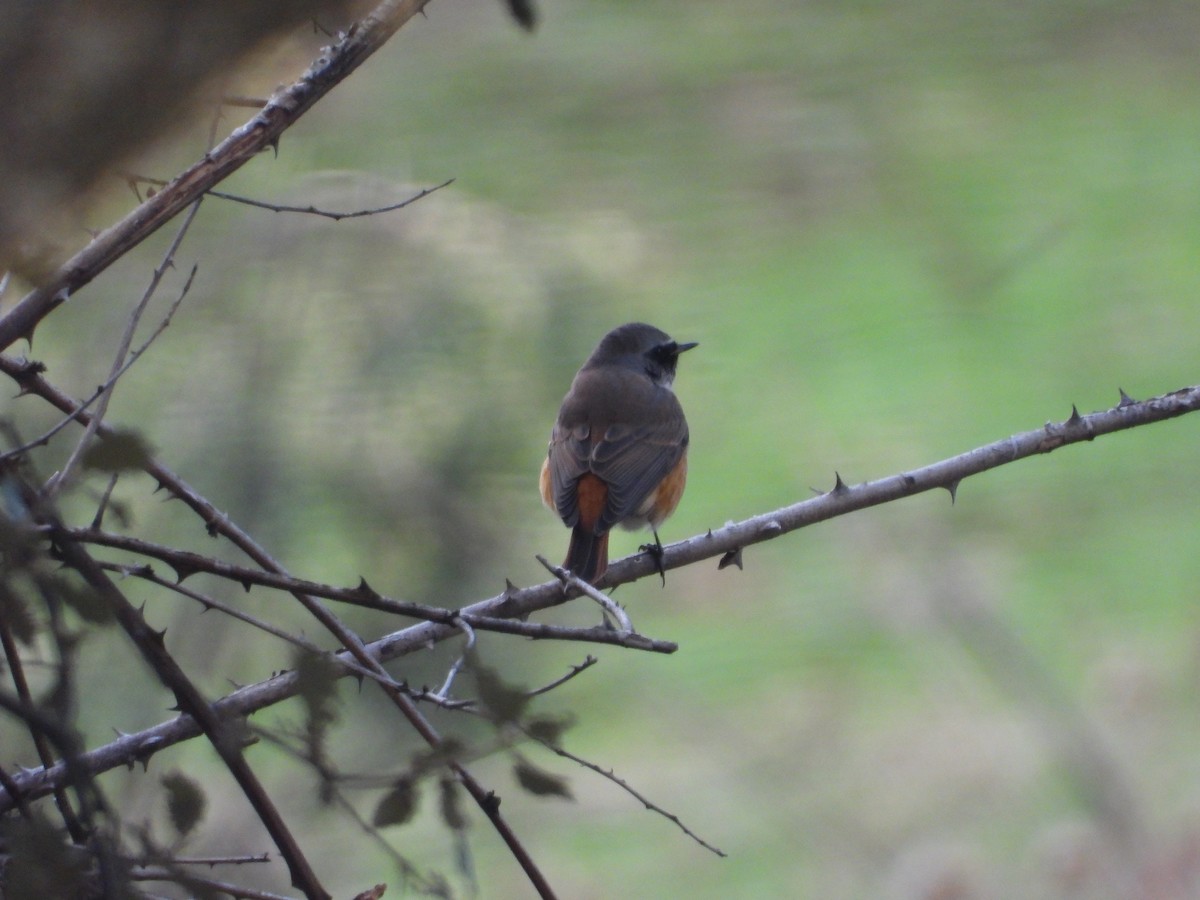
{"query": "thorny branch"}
(629, 789)
(186, 563)
(222, 733)
(262, 131)
(516, 603)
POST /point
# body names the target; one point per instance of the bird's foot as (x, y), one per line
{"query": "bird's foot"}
(656, 550)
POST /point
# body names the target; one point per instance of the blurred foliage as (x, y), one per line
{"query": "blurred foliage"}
(88, 84)
(898, 231)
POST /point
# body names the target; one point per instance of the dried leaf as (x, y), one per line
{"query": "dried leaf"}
(549, 728)
(397, 805)
(185, 801)
(87, 602)
(316, 683)
(121, 451)
(503, 702)
(451, 811)
(539, 782)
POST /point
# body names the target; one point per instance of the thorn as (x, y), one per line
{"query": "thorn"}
(366, 590)
(182, 570)
(246, 585)
(839, 486)
(731, 558)
(952, 487)
(708, 535)
(1075, 417)
(1126, 400)
(506, 598)
(524, 13)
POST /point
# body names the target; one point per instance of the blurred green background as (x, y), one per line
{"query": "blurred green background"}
(898, 231)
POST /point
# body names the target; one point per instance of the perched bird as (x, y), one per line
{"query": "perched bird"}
(618, 452)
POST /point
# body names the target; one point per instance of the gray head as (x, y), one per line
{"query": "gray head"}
(639, 346)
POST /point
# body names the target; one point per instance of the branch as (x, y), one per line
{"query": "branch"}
(186, 563)
(220, 730)
(16, 667)
(195, 882)
(29, 378)
(516, 603)
(629, 789)
(307, 210)
(727, 540)
(242, 145)
(571, 580)
(102, 390)
(843, 498)
(120, 363)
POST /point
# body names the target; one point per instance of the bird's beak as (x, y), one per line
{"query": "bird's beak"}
(680, 348)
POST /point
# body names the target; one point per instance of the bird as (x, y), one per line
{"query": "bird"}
(618, 449)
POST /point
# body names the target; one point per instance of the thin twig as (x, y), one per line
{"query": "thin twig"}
(41, 744)
(571, 580)
(209, 885)
(444, 691)
(587, 663)
(469, 705)
(56, 482)
(336, 216)
(211, 861)
(100, 391)
(624, 785)
(102, 506)
(307, 210)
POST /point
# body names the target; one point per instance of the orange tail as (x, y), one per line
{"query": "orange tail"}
(587, 557)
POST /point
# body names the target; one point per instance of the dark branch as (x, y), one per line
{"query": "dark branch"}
(516, 603)
(186, 563)
(221, 731)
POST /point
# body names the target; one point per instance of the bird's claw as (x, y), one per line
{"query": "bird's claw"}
(656, 550)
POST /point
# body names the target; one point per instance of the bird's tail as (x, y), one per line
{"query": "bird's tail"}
(587, 556)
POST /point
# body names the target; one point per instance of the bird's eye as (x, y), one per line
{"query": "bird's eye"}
(664, 354)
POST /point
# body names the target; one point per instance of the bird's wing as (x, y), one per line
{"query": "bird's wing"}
(632, 460)
(570, 447)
